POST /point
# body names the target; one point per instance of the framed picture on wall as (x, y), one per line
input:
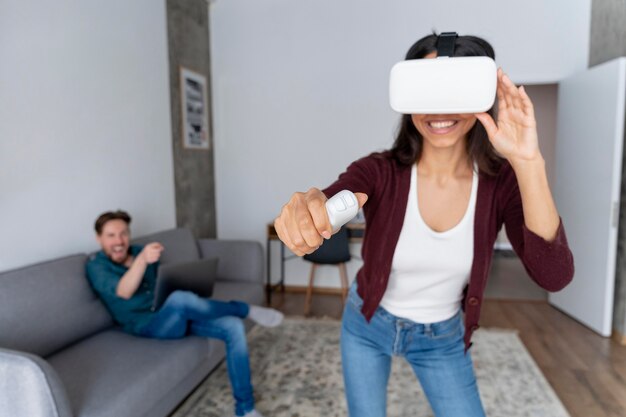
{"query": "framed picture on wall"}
(195, 111)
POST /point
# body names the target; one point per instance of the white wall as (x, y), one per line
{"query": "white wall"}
(300, 88)
(84, 123)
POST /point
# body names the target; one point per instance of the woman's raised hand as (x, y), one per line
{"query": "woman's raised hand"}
(514, 135)
(303, 223)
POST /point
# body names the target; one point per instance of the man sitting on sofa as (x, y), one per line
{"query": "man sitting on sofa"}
(124, 277)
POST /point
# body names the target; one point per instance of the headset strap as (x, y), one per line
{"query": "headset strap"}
(445, 43)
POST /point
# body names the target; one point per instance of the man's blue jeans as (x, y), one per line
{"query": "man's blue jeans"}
(435, 351)
(186, 313)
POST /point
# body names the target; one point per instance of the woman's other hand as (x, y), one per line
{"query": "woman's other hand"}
(514, 136)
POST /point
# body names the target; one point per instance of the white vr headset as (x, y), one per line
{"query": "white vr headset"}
(443, 85)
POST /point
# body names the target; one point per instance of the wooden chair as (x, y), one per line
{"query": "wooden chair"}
(334, 251)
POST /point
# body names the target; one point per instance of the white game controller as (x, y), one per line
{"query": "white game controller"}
(341, 208)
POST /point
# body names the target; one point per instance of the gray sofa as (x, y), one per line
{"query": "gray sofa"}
(61, 354)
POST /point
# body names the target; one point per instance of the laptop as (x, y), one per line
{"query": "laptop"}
(195, 276)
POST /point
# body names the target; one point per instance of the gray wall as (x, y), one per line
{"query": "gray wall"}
(188, 41)
(84, 123)
(608, 41)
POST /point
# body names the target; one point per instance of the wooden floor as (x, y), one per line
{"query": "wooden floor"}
(587, 371)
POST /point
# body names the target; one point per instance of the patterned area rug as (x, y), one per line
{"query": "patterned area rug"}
(296, 372)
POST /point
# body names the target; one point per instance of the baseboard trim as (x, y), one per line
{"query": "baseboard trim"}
(299, 289)
(619, 337)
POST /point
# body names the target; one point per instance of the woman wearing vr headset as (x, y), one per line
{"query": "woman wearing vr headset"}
(434, 204)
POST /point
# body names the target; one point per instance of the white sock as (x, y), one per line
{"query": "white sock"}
(253, 413)
(267, 317)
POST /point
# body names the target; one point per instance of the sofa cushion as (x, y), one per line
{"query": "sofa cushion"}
(117, 374)
(180, 245)
(47, 306)
(238, 291)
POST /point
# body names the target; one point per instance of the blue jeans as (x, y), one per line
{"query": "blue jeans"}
(186, 313)
(435, 351)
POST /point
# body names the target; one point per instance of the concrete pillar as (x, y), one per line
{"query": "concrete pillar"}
(194, 177)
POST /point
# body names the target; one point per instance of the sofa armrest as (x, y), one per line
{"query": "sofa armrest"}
(239, 260)
(29, 386)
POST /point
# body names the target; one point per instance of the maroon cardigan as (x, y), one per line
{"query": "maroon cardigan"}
(387, 184)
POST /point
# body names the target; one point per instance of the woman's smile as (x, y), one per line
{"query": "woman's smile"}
(435, 127)
(442, 127)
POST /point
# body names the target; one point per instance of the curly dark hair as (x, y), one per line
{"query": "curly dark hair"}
(407, 148)
(108, 216)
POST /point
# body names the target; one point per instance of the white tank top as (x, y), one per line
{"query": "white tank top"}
(430, 269)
